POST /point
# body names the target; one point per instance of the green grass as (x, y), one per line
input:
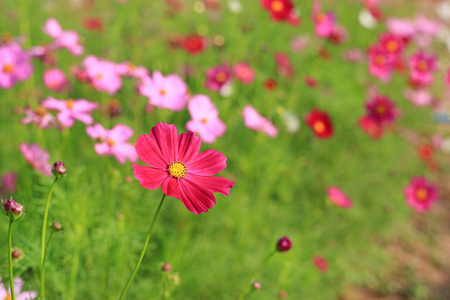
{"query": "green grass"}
(280, 183)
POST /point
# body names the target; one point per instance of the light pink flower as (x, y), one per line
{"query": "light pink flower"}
(14, 65)
(63, 39)
(284, 64)
(19, 295)
(129, 69)
(426, 30)
(55, 80)
(36, 157)
(299, 43)
(165, 92)
(254, 121)
(71, 110)
(421, 194)
(244, 73)
(39, 116)
(8, 183)
(113, 142)
(338, 198)
(419, 97)
(205, 119)
(422, 66)
(217, 77)
(401, 27)
(103, 74)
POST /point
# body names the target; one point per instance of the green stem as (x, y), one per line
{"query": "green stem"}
(44, 230)
(145, 247)
(46, 246)
(11, 279)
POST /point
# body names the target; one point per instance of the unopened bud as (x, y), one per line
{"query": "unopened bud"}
(284, 244)
(16, 253)
(166, 267)
(57, 226)
(256, 285)
(59, 169)
(13, 209)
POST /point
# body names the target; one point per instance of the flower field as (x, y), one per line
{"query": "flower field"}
(217, 149)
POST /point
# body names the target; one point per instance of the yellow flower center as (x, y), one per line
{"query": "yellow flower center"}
(8, 68)
(380, 60)
(204, 121)
(177, 169)
(380, 109)
(221, 77)
(319, 126)
(321, 17)
(277, 6)
(162, 92)
(422, 66)
(111, 142)
(99, 76)
(40, 111)
(70, 104)
(8, 297)
(421, 194)
(392, 46)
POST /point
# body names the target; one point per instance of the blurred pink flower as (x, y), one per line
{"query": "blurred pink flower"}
(36, 157)
(63, 39)
(381, 109)
(392, 44)
(165, 92)
(421, 194)
(284, 65)
(353, 55)
(320, 263)
(324, 23)
(103, 74)
(39, 116)
(71, 110)
(419, 97)
(426, 30)
(338, 198)
(244, 73)
(205, 119)
(14, 65)
(254, 121)
(381, 65)
(421, 67)
(129, 69)
(8, 183)
(19, 295)
(55, 80)
(401, 27)
(113, 142)
(299, 43)
(217, 77)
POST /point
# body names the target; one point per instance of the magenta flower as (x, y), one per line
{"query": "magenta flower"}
(217, 77)
(205, 119)
(63, 39)
(71, 110)
(324, 23)
(103, 74)
(39, 116)
(244, 73)
(338, 198)
(284, 244)
(178, 168)
(381, 64)
(421, 194)
(8, 183)
(421, 67)
(14, 65)
(113, 142)
(254, 121)
(165, 92)
(55, 80)
(19, 295)
(36, 157)
(381, 109)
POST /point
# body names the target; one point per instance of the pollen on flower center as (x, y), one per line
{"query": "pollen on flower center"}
(111, 142)
(8, 297)
(321, 17)
(40, 111)
(277, 6)
(380, 109)
(177, 169)
(221, 77)
(380, 60)
(391, 46)
(204, 121)
(162, 92)
(422, 66)
(70, 104)
(319, 127)
(99, 76)
(421, 194)
(8, 68)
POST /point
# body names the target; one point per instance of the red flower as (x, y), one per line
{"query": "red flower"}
(94, 24)
(194, 44)
(320, 263)
(310, 81)
(320, 124)
(426, 152)
(281, 10)
(270, 84)
(176, 166)
(371, 127)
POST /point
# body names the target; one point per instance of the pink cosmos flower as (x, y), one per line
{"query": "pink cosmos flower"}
(338, 198)
(36, 157)
(426, 30)
(381, 109)
(103, 74)
(421, 194)
(244, 73)
(39, 116)
(217, 77)
(299, 43)
(8, 183)
(419, 97)
(381, 65)
(63, 39)
(113, 142)
(421, 67)
(129, 69)
(55, 80)
(14, 65)
(320, 263)
(401, 27)
(353, 55)
(284, 65)
(205, 119)
(254, 121)
(392, 44)
(19, 295)
(165, 92)
(176, 166)
(71, 110)
(324, 23)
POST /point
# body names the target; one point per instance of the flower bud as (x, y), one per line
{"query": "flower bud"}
(16, 253)
(57, 226)
(256, 285)
(166, 267)
(13, 209)
(59, 169)
(284, 244)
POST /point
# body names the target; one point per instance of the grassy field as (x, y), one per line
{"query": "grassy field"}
(280, 182)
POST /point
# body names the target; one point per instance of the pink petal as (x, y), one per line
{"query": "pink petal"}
(196, 198)
(52, 28)
(65, 117)
(84, 106)
(123, 151)
(120, 133)
(209, 162)
(188, 146)
(214, 184)
(171, 187)
(96, 131)
(150, 178)
(148, 151)
(102, 149)
(83, 117)
(165, 136)
(51, 103)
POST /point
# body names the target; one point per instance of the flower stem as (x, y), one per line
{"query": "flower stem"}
(11, 279)
(43, 248)
(144, 249)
